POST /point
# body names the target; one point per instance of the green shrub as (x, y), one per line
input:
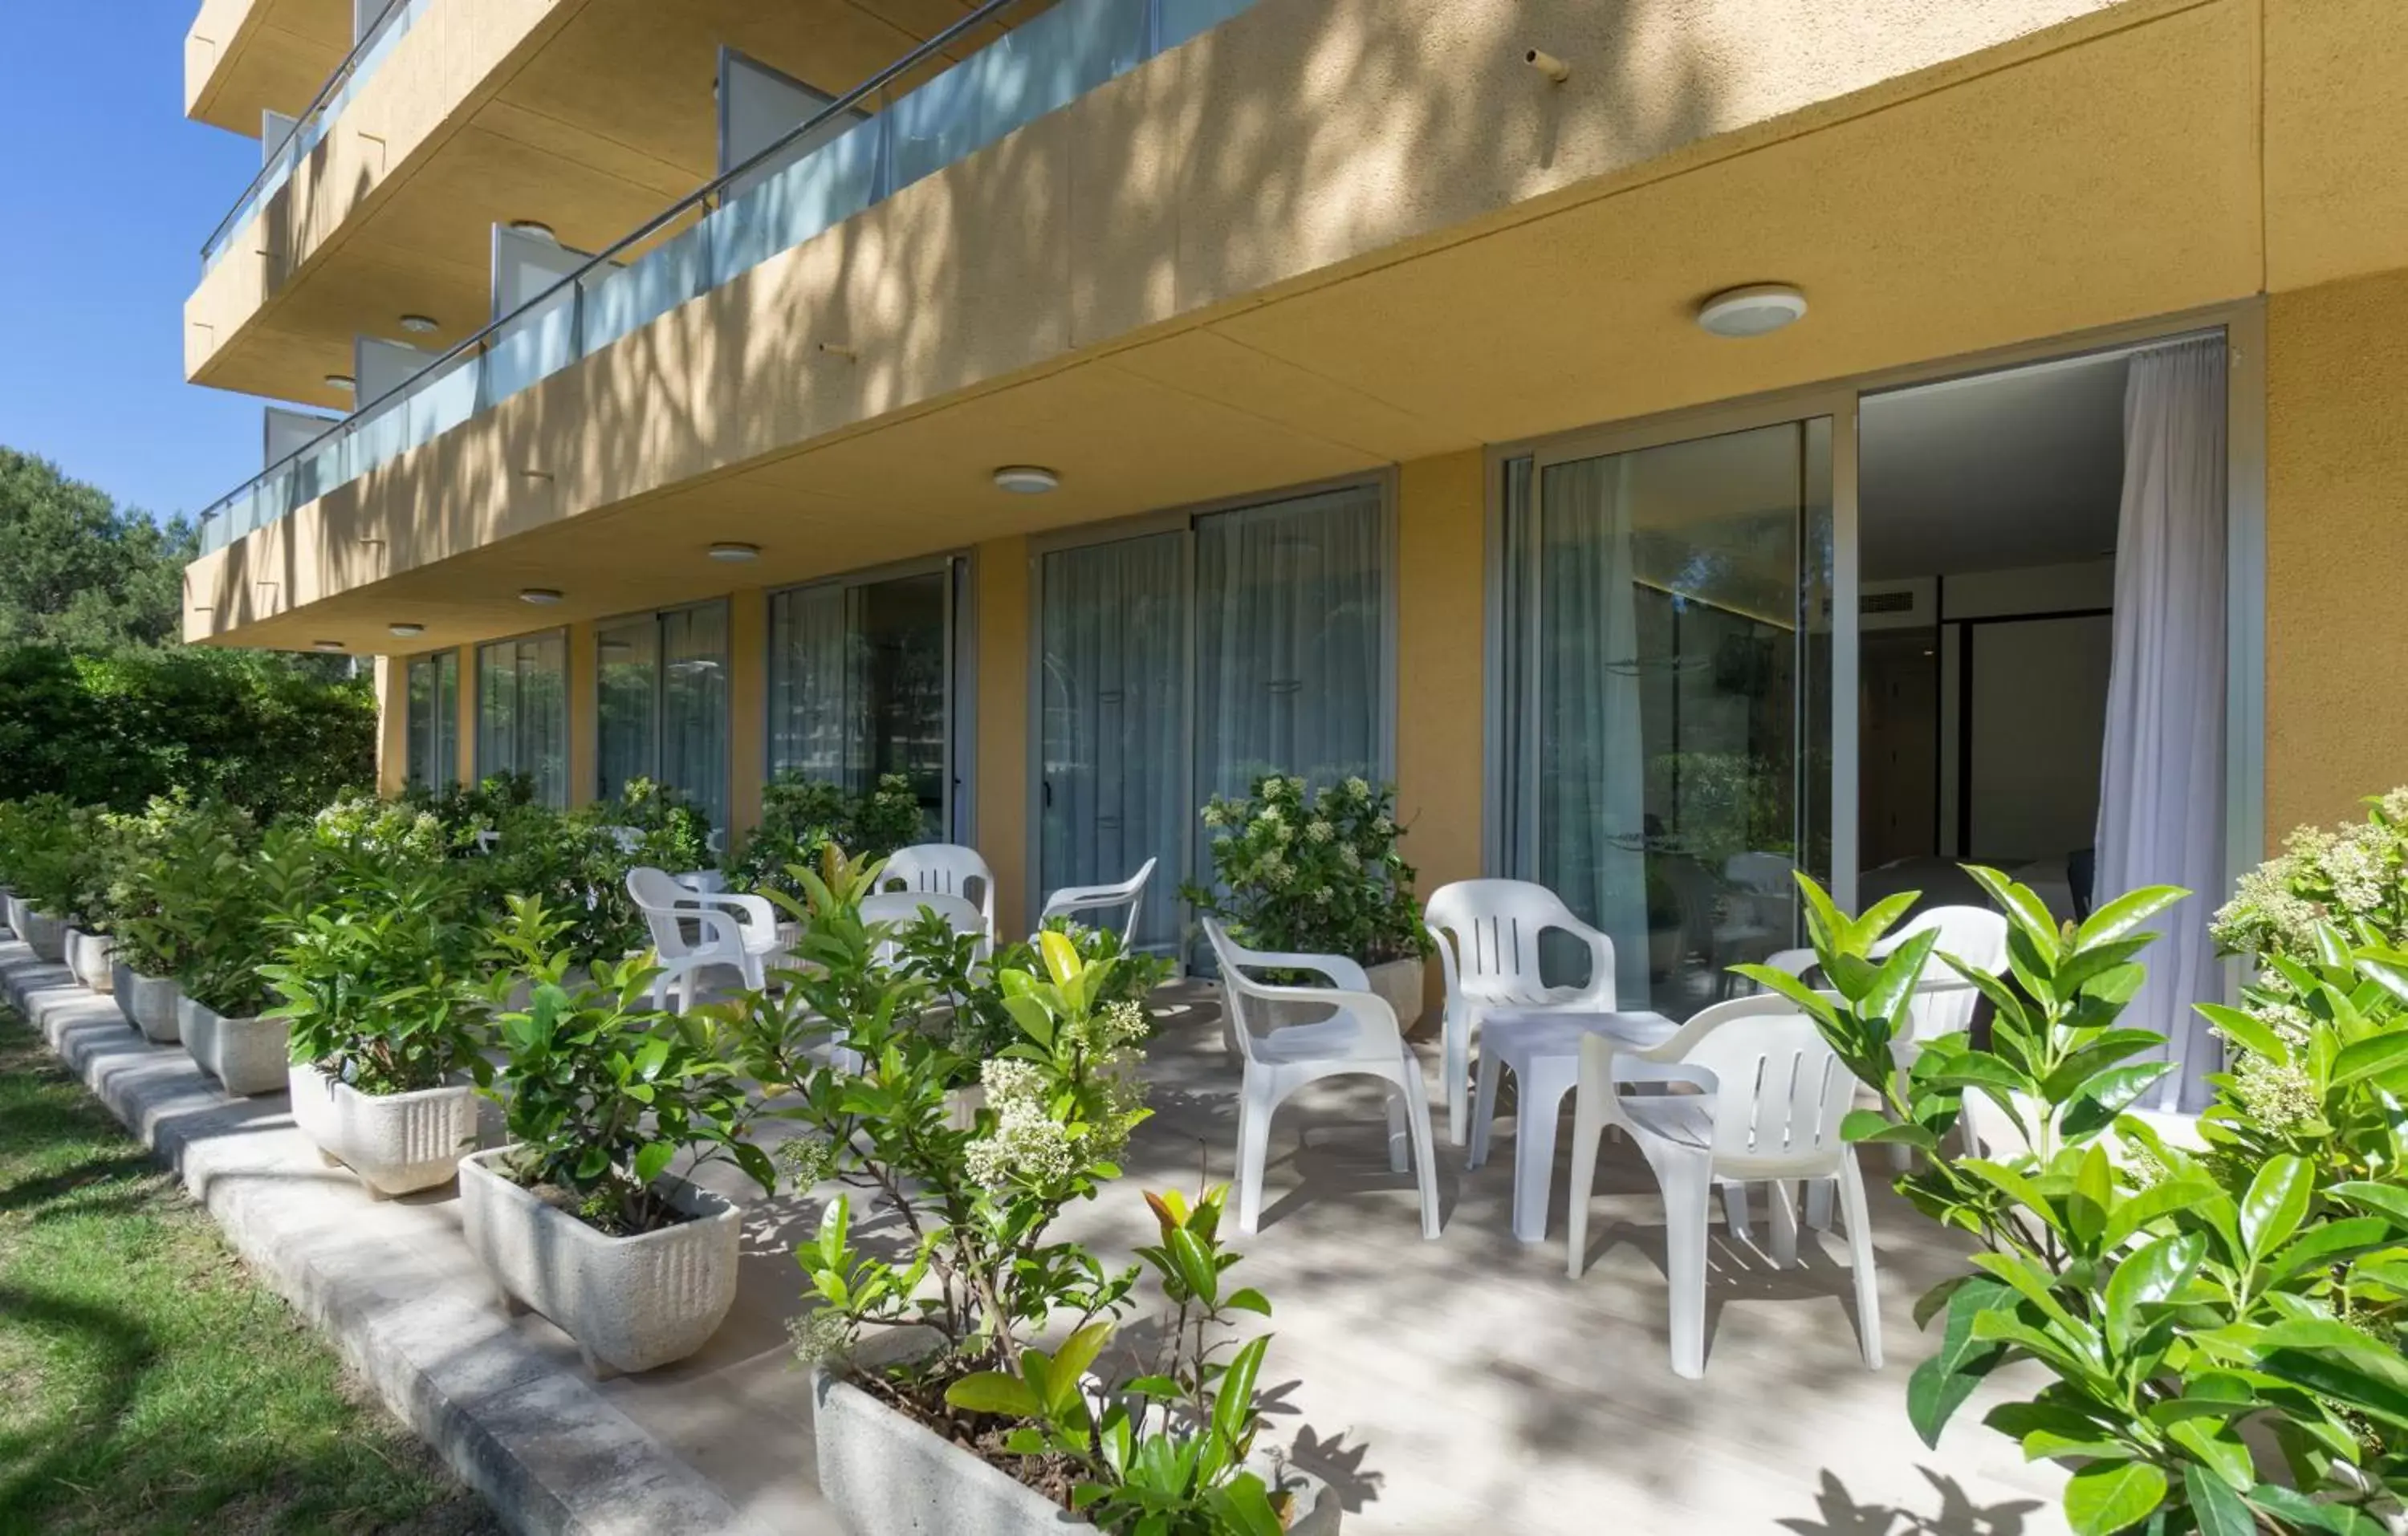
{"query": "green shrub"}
(800, 817)
(1313, 872)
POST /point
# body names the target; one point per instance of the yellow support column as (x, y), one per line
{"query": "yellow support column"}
(393, 725)
(583, 682)
(999, 778)
(748, 709)
(1441, 648)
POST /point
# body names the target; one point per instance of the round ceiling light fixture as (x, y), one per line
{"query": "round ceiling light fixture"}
(533, 229)
(326, 645)
(1756, 309)
(419, 324)
(540, 596)
(1026, 480)
(735, 554)
(405, 631)
(341, 381)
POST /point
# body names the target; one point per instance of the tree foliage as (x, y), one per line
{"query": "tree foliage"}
(76, 569)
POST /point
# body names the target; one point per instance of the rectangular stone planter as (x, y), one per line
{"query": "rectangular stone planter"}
(148, 1002)
(88, 957)
(631, 1303)
(247, 1057)
(886, 1475)
(48, 935)
(395, 1142)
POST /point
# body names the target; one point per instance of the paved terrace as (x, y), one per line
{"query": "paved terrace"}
(1453, 1387)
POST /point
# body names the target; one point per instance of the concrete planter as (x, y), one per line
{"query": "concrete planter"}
(395, 1142)
(631, 1303)
(247, 1057)
(15, 912)
(148, 1002)
(886, 1475)
(48, 935)
(88, 957)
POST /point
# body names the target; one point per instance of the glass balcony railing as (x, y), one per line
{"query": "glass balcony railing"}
(310, 130)
(1032, 69)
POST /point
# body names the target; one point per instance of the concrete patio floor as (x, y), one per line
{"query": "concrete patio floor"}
(1459, 1386)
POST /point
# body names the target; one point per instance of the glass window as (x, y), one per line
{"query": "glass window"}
(522, 712)
(662, 704)
(1667, 696)
(860, 677)
(432, 720)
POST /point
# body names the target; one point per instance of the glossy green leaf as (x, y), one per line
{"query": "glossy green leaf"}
(2149, 1276)
(2126, 913)
(2276, 1200)
(2111, 1496)
(993, 1392)
(2366, 1058)
(2390, 1200)
(653, 1159)
(2215, 1506)
(2246, 1030)
(1939, 1385)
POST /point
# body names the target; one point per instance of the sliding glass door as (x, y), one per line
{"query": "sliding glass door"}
(862, 684)
(1179, 665)
(663, 705)
(1668, 696)
(522, 712)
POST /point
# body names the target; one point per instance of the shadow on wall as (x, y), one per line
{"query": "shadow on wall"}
(1246, 156)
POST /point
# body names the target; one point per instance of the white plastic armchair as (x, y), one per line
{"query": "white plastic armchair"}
(942, 868)
(1487, 937)
(1359, 1038)
(1070, 900)
(1771, 1098)
(732, 929)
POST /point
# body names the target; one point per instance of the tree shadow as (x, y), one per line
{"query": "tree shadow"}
(1838, 1513)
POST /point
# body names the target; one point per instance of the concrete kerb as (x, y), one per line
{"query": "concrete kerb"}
(550, 1454)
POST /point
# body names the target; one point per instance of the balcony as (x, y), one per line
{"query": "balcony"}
(775, 200)
(244, 59)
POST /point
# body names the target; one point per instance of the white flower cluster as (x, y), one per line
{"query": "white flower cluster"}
(1027, 1146)
(2275, 1094)
(1319, 830)
(2321, 875)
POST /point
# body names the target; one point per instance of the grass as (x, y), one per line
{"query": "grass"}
(147, 1382)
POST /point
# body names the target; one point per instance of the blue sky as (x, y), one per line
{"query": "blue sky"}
(109, 191)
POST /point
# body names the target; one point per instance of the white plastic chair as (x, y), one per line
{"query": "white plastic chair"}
(1070, 900)
(1487, 937)
(1359, 1038)
(731, 930)
(942, 868)
(1773, 1098)
(901, 909)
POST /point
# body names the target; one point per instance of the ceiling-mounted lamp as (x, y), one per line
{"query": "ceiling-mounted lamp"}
(420, 325)
(540, 596)
(733, 553)
(405, 631)
(325, 645)
(533, 229)
(342, 381)
(1756, 309)
(1026, 480)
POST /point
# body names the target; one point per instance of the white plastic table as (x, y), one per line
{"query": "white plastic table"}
(1542, 1046)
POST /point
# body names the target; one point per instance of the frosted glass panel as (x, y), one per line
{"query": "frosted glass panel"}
(1027, 73)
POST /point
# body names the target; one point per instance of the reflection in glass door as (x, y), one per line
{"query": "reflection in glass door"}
(1114, 790)
(1667, 694)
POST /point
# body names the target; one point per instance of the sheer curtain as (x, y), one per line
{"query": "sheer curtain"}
(808, 662)
(693, 707)
(1290, 603)
(1592, 756)
(1113, 718)
(627, 706)
(2162, 777)
(522, 712)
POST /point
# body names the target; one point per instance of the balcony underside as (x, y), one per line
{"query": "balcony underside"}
(242, 57)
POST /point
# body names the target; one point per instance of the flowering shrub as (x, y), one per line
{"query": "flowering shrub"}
(2351, 876)
(2220, 1330)
(365, 824)
(1313, 872)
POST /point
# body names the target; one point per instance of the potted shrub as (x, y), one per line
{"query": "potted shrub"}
(385, 1024)
(2216, 1333)
(228, 899)
(1317, 872)
(578, 1216)
(171, 860)
(98, 839)
(893, 1341)
(802, 817)
(46, 871)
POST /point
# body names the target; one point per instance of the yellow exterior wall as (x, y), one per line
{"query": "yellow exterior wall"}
(2336, 540)
(999, 777)
(1442, 591)
(748, 704)
(582, 665)
(393, 725)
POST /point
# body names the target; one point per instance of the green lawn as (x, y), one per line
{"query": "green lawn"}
(147, 1382)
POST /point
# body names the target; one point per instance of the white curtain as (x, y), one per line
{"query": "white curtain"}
(1114, 721)
(808, 664)
(522, 712)
(627, 713)
(693, 707)
(2161, 778)
(1291, 601)
(1592, 751)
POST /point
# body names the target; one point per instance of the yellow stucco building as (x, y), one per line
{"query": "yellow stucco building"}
(1080, 408)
